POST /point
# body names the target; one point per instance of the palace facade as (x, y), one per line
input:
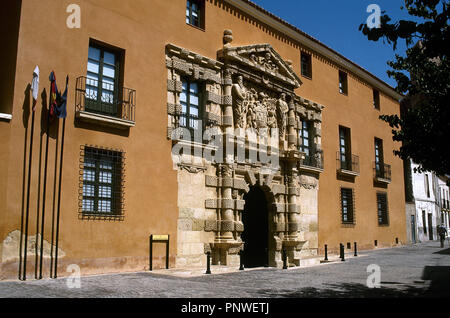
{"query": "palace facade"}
(211, 121)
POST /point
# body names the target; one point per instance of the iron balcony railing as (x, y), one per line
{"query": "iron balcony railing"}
(347, 162)
(312, 161)
(382, 171)
(105, 98)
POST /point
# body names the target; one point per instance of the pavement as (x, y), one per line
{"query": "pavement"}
(420, 270)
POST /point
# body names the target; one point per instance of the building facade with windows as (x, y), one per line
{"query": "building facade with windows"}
(155, 88)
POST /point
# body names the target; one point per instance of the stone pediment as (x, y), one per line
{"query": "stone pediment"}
(263, 59)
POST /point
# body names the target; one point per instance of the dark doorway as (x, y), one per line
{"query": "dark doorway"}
(413, 229)
(430, 226)
(256, 229)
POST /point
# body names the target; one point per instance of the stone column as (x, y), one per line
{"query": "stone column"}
(227, 208)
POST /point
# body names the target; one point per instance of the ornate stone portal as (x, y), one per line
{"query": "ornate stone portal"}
(251, 89)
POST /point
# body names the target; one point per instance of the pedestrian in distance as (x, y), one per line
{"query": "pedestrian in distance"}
(442, 232)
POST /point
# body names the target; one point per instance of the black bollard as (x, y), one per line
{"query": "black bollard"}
(342, 253)
(326, 252)
(208, 263)
(241, 265)
(356, 250)
(284, 259)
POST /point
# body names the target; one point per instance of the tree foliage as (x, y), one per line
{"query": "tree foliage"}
(423, 76)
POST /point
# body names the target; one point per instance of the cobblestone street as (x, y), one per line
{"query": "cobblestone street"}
(420, 270)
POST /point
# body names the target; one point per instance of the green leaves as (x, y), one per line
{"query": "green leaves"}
(422, 74)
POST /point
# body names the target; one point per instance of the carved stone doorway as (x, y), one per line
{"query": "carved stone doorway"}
(256, 229)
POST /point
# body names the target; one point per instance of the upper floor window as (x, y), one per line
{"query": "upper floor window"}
(102, 83)
(376, 99)
(427, 185)
(343, 86)
(379, 160)
(191, 102)
(306, 65)
(195, 13)
(305, 138)
(345, 151)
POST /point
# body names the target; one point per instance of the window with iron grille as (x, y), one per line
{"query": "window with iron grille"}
(382, 208)
(102, 183)
(191, 104)
(379, 158)
(306, 64)
(195, 13)
(347, 205)
(102, 82)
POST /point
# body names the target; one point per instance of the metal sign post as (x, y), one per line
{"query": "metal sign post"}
(159, 239)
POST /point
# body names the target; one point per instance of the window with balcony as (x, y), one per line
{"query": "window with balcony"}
(100, 95)
(347, 162)
(306, 65)
(343, 86)
(306, 145)
(102, 182)
(347, 206)
(195, 12)
(382, 170)
(382, 208)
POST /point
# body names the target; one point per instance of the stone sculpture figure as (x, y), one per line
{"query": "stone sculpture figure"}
(282, 110)
(239, 93)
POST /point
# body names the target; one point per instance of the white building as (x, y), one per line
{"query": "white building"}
(426, 198)
(444, 200)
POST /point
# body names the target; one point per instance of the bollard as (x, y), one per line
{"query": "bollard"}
(284, 259)
(326, 252)
(356, 250)
(342, 253)
(208, 263)
(241, 264)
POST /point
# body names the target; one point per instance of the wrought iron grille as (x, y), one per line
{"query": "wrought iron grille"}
(382, 171)
(101, 184)
(382, 208)
(347, 206)
(112, 101)
(312, 161)
(348, 162)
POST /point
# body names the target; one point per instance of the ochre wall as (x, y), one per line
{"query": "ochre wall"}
(142, 28)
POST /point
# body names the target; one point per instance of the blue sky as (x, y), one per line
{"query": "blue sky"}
(335, 24)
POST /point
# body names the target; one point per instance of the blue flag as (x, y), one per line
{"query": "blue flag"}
(61, 107)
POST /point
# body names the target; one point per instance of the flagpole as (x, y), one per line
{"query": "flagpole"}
(60, 181)
(59, 199)
(44, 192)
(24, 277)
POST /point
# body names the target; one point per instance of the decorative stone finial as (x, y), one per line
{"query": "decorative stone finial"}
(227, 38)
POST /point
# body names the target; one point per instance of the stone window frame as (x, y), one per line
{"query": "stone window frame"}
(182, 63)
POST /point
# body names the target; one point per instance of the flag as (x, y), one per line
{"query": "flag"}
(35, 86)
(53, 95)
(61, 105)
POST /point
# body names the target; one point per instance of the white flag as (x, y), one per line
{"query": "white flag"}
(35, 86)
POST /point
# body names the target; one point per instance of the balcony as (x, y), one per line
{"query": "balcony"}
(312, 163)
(114, 107)
(347, 165)
(382, 173)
